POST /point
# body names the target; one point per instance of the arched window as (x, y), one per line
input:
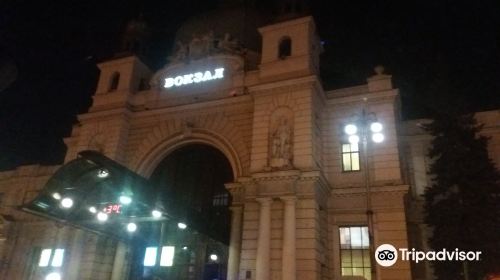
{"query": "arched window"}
(285, 47)
(115, 80)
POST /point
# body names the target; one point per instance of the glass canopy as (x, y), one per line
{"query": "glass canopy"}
(98, 194)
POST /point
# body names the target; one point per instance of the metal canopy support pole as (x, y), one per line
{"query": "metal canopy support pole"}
(369, 211)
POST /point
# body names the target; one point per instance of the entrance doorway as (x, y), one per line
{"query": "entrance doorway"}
(190, 182)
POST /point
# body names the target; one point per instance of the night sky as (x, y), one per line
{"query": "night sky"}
(50, 50)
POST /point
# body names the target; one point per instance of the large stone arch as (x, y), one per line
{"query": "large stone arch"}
(213, 129)
(151, 159)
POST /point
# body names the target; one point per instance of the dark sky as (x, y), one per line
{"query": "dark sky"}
(55, 45)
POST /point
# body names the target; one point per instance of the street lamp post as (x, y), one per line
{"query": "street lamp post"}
(367, 125)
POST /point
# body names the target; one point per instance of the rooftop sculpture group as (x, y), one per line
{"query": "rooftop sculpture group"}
(204, 45)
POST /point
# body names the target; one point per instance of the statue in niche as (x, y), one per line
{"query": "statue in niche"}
(281, 144)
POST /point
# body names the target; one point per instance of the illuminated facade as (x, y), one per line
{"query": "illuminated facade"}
(292, 201)
(305, 202)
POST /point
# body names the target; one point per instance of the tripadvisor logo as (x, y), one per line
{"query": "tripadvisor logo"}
(387, 255)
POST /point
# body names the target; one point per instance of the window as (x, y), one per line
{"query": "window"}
(221, 199)
(285, 47)
(350, 157)
(150, 256)
(51, 257)
(166, 256)
(45, 263)
(355, 251)
(115, 80)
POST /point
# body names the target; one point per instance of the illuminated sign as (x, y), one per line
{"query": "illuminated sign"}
(113, 209)
(197, 77)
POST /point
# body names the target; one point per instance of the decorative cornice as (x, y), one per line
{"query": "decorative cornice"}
(216, 103)
(118, 61)
(310, 175)
(288, 199)
(369, 96)
(277, 175)
(234, 188)
(287, 23)
(237, 192)
(361, 191)
(291, 83)
(264, 201)
(99, 115)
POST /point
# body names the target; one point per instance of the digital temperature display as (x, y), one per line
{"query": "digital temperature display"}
(113, 209)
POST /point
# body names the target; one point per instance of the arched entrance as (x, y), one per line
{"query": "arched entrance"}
(190, 180)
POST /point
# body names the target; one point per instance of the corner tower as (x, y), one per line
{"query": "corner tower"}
(105, 127)
(284, 233)
(289, 49)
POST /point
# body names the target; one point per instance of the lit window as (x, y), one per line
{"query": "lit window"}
(350, 157)
(48, 255)
(167, 256)
(355, 251)
(150, 256)
(45, 257)
(57, 260)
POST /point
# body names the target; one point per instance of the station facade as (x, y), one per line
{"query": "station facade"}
(305, 202)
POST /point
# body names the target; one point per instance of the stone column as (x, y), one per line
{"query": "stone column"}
(289, 247)
(234, 243)
(262, 267)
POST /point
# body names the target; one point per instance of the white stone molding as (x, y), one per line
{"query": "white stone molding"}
(285, 86)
